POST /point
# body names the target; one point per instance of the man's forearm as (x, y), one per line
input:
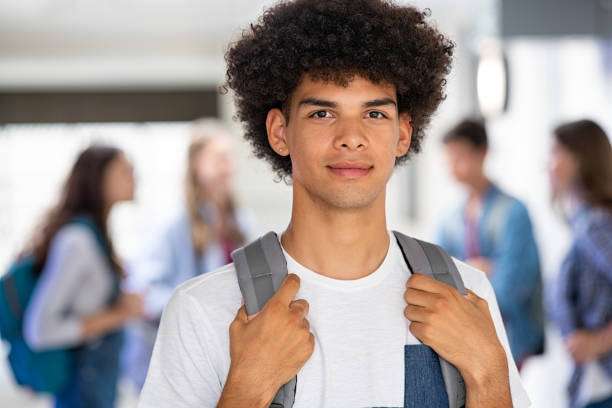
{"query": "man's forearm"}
(489, 391)
(488, 386)
(238, 393)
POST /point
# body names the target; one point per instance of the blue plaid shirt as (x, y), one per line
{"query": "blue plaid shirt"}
(583, 293)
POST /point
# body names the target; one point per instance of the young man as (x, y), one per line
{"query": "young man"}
(492, 231)
(333, 94)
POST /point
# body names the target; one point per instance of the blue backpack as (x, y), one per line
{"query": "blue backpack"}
(47, 371)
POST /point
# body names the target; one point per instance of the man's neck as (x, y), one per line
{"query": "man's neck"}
(338, 243)
(479, 187)
(477, 191)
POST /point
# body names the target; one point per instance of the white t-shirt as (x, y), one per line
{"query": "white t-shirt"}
(359, 329)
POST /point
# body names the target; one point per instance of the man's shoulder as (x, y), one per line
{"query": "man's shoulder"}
(511, 202)
(220, 276)
(215, 292)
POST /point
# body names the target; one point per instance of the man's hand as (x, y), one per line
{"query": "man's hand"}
(460, 329)
(268, 348)
(586, 345)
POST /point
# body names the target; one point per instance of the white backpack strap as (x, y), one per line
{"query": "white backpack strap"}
(261, 268)
(433, 261)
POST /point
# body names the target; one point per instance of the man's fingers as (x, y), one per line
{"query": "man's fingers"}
(287, 290)
(242, 314)
(251, 317)
(415, 313)
(471, 294)
(418, 297)
(427, 284)
(300, 305)
(475, 299)
(418, 330)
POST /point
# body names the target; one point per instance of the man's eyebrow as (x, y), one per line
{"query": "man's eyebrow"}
(317, 102)
(330, 104)
(379, 102)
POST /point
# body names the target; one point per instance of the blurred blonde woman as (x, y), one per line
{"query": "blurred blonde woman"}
(214, 223)
(199, 238)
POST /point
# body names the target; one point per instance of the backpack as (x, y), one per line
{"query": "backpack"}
(261, 268)
(47, 371)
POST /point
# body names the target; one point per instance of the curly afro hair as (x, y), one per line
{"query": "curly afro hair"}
(334, 40)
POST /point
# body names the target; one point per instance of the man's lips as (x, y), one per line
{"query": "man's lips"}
(350, 169)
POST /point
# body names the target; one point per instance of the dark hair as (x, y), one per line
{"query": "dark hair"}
(590, 147)
(469, 130)
(81, 195)
(334, 40)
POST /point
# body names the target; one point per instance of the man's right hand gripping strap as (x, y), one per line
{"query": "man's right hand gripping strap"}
(261, 268)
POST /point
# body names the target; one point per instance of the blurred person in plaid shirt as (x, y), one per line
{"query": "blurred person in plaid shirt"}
(581, 179)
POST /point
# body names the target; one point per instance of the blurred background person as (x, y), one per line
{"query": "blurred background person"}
(198, 239)
(581, 180)
(78, 303)
(492, 231)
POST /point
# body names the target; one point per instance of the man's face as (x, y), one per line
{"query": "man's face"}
(343, 141)
(464, 161)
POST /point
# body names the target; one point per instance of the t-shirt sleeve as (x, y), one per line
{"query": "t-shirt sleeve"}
(520, 399)
(182, 371)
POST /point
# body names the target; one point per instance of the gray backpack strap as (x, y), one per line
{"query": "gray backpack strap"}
(433, 261)
(261, 269)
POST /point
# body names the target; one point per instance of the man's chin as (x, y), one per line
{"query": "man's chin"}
(352, 201)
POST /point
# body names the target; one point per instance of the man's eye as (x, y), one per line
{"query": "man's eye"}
(321, 114)
(376, 115)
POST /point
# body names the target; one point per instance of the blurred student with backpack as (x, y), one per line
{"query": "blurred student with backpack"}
(199, 238)
(77, 302)
(492, 231)
(581, 180)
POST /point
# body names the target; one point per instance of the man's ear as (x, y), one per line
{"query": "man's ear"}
(275, 126)
(405, 134)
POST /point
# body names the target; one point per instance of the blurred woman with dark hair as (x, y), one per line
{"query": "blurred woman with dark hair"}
(581, 179)
(77, 302)
(199, 238)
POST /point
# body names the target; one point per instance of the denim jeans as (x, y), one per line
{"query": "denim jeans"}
(423, 381)
(94, 384)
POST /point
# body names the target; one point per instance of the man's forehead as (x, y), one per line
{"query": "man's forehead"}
(460, 146)
(359, 86)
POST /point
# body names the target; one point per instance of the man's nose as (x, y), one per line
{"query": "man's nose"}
(350, 135)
